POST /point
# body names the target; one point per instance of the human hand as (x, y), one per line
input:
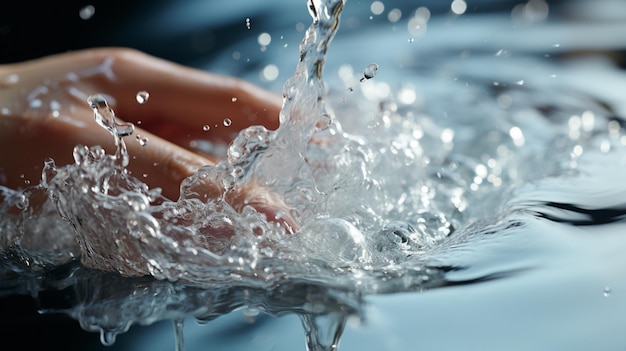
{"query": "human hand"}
(44, 114)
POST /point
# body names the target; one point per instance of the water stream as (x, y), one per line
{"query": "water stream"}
(451, 177)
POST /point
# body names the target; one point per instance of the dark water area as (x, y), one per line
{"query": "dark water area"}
(536, 265)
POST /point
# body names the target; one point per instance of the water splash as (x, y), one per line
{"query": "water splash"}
(383, 196)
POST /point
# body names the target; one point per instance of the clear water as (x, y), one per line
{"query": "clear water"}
(480, 180)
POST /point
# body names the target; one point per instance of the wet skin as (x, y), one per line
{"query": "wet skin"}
(44, 113)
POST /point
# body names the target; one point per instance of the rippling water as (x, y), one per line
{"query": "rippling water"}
(457, 178)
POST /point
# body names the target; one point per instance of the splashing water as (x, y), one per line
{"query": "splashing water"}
(383, 205)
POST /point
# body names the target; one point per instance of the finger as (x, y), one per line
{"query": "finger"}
(181, 99)
(159, 163)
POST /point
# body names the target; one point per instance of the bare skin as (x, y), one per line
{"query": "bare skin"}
(44, 114)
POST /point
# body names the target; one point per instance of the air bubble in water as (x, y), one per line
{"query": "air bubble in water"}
(607, 291)
(324, 122)
(227, 122)
(369, 72)
(142, 96)
(206, 127)
(234, 99)
(248, 22)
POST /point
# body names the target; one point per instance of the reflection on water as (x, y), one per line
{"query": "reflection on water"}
(475, 160)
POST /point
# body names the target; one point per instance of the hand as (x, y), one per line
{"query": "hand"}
(44, 113)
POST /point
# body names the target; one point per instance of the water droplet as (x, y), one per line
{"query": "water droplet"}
(142, 97)
(264, 39)
(10, 79)
(105, 117)
(458, 7)
(179, 334)
(142, 141)
(369, 72)
(23, 202)
(323, 332)
(251, 313)
(227, 122)
(206, 127)
(107, 338)
(87, 12)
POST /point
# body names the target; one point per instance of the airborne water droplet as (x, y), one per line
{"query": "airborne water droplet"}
(87, 12)
(369, 72)
(142, 96)
(142, 140)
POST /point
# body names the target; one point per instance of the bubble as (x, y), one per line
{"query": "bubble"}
(227, 122)
(607, 291)
(87, 12)
(248, 23)
(369, 72)
(142, 97)
(234, 99)
(206, 127)
(324, 122)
